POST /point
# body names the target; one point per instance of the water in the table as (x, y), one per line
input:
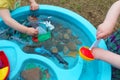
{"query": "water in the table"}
(61, 48)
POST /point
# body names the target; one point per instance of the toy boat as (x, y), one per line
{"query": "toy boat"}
(4, 66)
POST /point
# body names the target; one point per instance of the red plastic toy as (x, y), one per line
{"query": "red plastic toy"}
(86, 54)
(35, 39)
(4, 66)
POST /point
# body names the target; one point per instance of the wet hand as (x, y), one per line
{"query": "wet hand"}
(98, 52)
(32, 32)
(34, 6)
(104, 30)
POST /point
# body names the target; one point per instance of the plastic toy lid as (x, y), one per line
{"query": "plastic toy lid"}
(86, 54)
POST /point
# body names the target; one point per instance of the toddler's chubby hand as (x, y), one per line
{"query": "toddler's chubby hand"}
(98, 53)
(34, 6)
(104, 30)
(32, 31)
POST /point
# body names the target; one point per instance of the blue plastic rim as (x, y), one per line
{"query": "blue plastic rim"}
(78, 72)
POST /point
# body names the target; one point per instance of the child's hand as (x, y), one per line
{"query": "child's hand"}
(98, 53)
(104, 30)
(32, 31)
(34, 6)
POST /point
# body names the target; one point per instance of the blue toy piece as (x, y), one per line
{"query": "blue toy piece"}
(42, 51)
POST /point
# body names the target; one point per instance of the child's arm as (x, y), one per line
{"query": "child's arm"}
(33, 5)
(107, 56)
(106, 28)
(5, 14)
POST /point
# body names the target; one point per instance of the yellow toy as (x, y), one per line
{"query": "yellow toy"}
(4, 66)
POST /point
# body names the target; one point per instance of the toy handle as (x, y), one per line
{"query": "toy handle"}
(60, 59)
(95, 44)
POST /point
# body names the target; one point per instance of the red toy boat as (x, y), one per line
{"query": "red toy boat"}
(4, 66)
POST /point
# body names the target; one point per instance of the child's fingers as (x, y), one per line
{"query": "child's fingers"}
(36, 31)
(34, 7)
(100, 35)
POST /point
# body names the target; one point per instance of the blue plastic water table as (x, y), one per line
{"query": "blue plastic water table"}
(78, 70)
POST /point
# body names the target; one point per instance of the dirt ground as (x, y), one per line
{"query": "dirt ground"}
(93, 10)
